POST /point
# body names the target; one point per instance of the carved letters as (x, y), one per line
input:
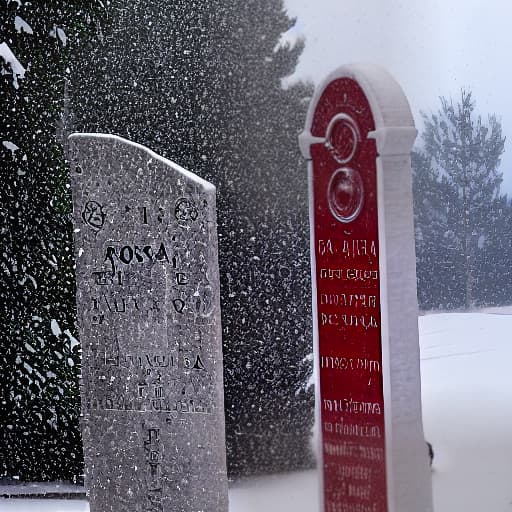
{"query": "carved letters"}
(128, 254)
(166, 382)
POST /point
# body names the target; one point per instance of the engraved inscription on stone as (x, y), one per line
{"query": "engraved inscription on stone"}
(149, 319)
(358, 137)
(348, 305)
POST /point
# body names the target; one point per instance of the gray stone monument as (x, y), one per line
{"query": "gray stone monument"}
(149, 323)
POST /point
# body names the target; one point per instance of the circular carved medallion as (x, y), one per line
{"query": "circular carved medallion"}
(345, 194)
(342, 138)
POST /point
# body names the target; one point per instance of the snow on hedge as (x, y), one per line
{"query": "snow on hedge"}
(11, 65)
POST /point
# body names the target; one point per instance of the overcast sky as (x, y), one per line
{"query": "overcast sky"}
(432, 47)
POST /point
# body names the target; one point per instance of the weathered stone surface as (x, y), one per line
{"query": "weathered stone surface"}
(149, 318)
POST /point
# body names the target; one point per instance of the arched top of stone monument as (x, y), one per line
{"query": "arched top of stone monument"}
(81, 139)
(394, 125)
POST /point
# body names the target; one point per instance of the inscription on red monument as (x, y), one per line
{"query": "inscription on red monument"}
(346, 252)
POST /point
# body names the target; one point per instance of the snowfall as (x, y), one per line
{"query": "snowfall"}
(467, 410)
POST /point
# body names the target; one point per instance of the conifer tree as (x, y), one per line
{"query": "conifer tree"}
(264, 251)
(465, 152)
(39, 355)
(200, 83)
(437, 263)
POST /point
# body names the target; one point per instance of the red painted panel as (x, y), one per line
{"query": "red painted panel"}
(347, 274)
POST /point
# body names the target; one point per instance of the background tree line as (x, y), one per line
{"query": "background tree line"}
(202, 85)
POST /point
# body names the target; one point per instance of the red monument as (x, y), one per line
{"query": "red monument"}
(358, 136)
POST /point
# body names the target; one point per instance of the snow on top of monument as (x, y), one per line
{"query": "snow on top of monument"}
(394, 124)
(116, 138)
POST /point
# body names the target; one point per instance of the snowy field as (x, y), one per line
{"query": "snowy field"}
(467, 407)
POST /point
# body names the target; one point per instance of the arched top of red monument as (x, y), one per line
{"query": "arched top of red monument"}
(394, 125)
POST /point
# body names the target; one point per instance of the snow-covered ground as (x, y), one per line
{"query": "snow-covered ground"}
(467, 407)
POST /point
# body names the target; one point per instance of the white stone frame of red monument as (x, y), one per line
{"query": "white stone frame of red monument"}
(358, 137)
